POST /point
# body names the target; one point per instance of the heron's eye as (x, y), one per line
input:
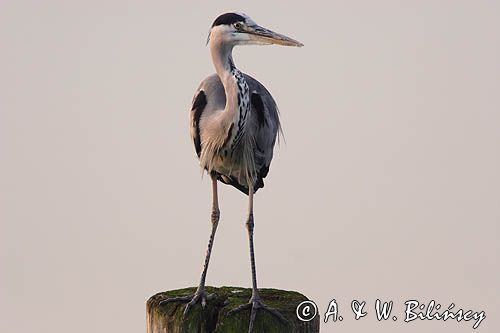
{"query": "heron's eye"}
(237, 25)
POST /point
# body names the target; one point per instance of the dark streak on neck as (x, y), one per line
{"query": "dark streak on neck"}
(231, 63)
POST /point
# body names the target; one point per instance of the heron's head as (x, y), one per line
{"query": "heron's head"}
(239, 29)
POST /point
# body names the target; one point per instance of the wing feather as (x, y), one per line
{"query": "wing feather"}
(199, 103)
(266, 128)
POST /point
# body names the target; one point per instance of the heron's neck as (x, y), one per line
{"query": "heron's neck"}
(235, 85)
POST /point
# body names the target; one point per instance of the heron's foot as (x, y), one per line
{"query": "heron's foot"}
(255, 304)
(199, 296)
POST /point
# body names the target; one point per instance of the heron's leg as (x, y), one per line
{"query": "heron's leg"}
(250, 225)
(200, 291)
(255, 302)
(215, 222)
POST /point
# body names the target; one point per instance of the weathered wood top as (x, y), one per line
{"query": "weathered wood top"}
(214, 318)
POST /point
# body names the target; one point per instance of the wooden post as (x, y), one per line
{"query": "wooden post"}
(214, 318)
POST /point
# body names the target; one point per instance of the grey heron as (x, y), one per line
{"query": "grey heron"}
(234, 125)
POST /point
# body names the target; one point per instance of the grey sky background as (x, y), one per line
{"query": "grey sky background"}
(388, 185)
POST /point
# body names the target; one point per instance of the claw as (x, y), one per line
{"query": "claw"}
(256, 304)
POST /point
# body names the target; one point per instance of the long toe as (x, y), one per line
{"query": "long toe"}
(253, 315)
(191, 300)
(240, 308)
(196, 298)
(274, 312)
(255, 305)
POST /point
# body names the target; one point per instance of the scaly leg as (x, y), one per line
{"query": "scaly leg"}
(200, 292)
(255, 302)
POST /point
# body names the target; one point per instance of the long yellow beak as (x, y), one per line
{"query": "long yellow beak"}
(262, 35)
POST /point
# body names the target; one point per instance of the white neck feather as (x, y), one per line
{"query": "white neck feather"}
(235, 88)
